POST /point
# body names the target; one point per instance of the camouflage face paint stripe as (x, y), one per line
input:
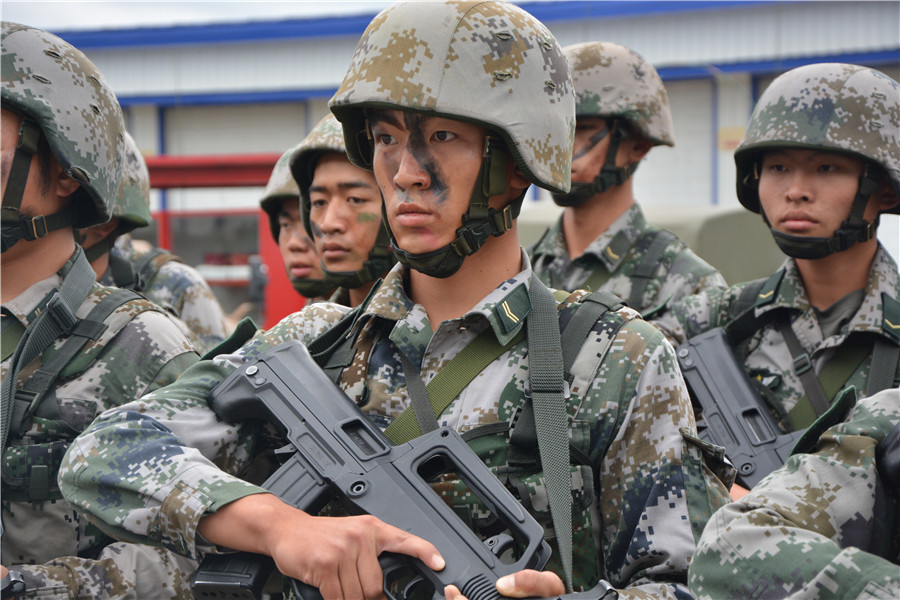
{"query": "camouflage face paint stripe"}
(417, 146)
(592, 143)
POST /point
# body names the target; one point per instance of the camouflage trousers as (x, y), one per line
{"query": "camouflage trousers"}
(122, 572)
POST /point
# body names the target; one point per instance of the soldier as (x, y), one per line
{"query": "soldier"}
(341, 210)
(71, 347)
(453, 145)
(602, 240)
(159, 275)
(820, 162)
(281, 202)
(836, 507)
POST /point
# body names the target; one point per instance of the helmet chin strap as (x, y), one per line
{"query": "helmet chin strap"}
(854, 229)
(15, 226)
(479, 223)
(609, 176)
(380, 260)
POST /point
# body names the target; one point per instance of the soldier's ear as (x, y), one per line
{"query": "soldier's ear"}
(637, 148)
(65, 185)
(518, 181)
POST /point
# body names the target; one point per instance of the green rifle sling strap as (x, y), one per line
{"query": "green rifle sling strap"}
(803, 367)
(546, 379)
(449, 382)
(12, 331)
(648, 265)
(885, 366)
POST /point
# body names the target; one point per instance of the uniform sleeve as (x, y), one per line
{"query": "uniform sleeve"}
(694, 314)
(656, 490)
(819, 527)
(149, 470)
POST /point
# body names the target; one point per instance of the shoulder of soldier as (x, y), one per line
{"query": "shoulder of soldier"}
(873, 416)
(617, 317)
(304, 325)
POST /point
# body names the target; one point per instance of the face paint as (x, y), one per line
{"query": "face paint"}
(592, 143)
(317, 231)
(418, 149)
(363, 218)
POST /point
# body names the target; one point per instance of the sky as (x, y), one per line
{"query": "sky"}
(65, 15)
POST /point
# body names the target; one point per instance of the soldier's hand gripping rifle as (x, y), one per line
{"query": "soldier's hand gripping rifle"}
(730, 411)
(338, 454)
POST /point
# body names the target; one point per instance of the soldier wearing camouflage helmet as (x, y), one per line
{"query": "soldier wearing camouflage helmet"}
(341, 210)
(836, 503)
(457, 107)
(821, 162)
(71, 348)
(156, 273)
(281, 202)
(602, 240)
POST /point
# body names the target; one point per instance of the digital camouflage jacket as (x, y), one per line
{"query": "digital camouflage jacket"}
(768, 359)
(176, 285)
(140, 349)
(642, 490)
(824, 526)
(616, 254)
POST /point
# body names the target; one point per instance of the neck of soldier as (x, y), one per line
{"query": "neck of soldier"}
(27, 263)
(582, 224)
(829, 279)
(357, 295)
(499, 259)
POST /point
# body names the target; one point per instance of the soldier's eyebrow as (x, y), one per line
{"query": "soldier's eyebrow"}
(344, 185)
(381, 116)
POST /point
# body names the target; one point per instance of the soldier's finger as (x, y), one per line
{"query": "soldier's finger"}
(528, 583)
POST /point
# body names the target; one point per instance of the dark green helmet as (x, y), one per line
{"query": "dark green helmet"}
(132, 205)
(828, 106)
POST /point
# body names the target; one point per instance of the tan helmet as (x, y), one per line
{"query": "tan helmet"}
(63, 97)
(612, 81)
(485, 62)
(827, 106)
(616, 83)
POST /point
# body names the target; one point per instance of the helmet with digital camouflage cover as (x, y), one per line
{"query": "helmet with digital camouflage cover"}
(489, 63)
(280, 187)
(834, 107)
(327, 137)
(132, 203)
(64, 99)
(616, 83)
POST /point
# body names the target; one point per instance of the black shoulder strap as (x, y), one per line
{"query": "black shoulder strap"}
(759, 292)
(645, 269)
(576, 329)
(85, 330)
(123, 272)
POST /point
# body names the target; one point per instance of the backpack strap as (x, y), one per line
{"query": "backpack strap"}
(55, 316)
(643, 273)
(146, 266)
(42, 477)
(123, 273)
(755, 294)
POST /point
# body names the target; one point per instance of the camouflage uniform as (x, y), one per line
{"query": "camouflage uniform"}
(183, 290)
(862, 119)
(618, 251)
(630, 416)
(641, 487)
(642, 264)
(136, 349)
(825, 525)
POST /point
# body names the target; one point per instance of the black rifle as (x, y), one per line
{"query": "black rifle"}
(729, 409)
(338, 454)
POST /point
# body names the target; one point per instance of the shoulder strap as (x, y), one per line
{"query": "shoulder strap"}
(146, 266)
(885, 367)
(90, 328)
(52, 319)
(645, 269)
(123, 273)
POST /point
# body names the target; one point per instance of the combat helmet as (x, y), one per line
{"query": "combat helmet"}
(618, 84)
(282, 187)
(488, 63)
(827, 106)
(132, 204)
(326, 137)
(62, 97)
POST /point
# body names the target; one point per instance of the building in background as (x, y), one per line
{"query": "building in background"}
(213, 106)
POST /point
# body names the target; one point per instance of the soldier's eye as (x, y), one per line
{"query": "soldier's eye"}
(444, 136)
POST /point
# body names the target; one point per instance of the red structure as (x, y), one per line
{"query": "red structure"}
(241, 170)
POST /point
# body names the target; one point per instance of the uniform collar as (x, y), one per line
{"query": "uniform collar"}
(505, 308)
(25, 303)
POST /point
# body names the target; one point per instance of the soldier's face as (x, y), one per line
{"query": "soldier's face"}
(426, 168)
(345, 213)
(807, 192)
(298, 251)
(9, 136)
